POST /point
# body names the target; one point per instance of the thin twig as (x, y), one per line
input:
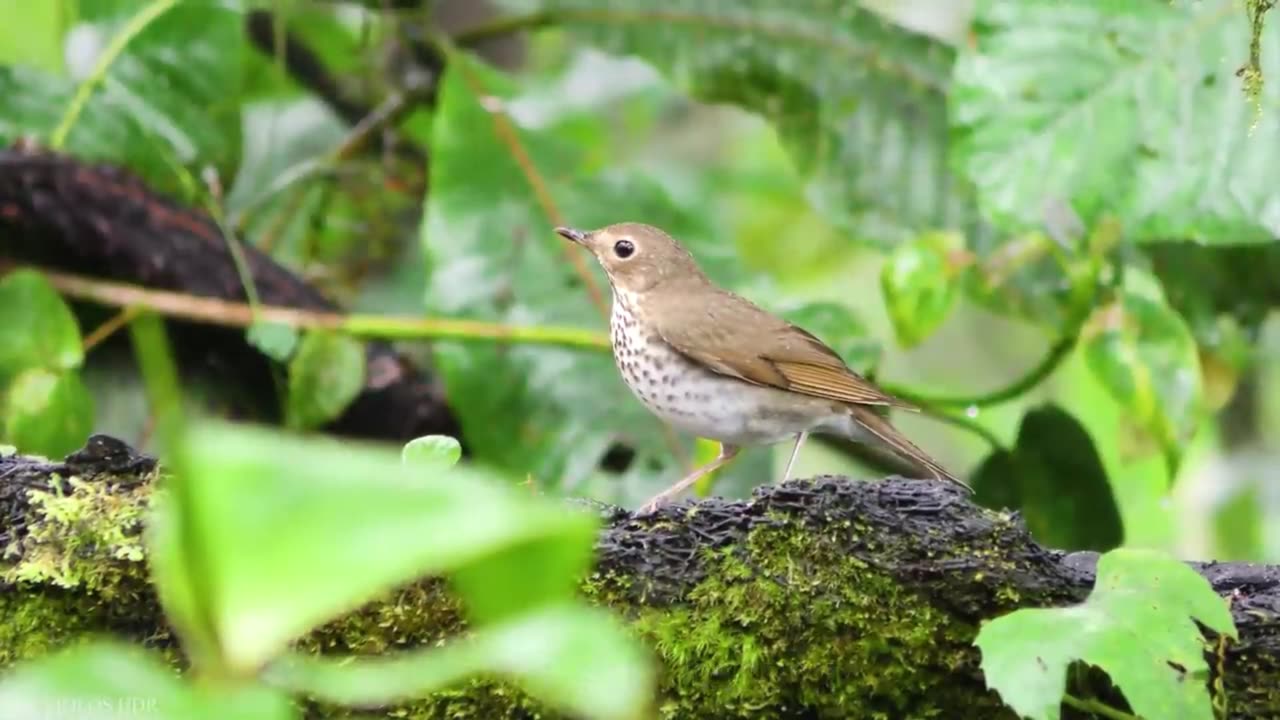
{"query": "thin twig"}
(108, 328)
(226, 313)
(506, 132)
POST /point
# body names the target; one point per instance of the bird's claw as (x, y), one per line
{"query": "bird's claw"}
(655, 502)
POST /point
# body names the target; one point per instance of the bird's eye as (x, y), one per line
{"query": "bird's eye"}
(624, 249)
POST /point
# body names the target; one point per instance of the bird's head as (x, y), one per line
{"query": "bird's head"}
(637, 257)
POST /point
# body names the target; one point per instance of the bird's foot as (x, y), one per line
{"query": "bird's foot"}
(655, 502)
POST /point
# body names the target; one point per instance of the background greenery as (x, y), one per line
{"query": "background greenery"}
(1052, 223)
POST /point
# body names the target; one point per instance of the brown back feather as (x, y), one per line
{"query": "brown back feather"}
(732, 336)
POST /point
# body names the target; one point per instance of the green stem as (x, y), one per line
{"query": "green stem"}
(1090, 705)
(390, 328)
(505, 25)
(964, 423)
(131, 30)
(226, 313)
(1032, 378)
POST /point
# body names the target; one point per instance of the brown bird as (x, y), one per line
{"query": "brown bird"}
(714, 364)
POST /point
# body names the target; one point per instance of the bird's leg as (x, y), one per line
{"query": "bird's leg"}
(727, 453)
(795, 451)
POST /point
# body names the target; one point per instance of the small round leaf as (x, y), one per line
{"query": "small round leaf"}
(325, 375)
(275, 340)
(919, 285)
(435, 452)
(48, 413)
(40, 330)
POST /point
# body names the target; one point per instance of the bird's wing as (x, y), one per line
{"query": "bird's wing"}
(734, 337)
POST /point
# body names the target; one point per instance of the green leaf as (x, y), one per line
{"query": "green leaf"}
(1203, 281)
(315, 541)
(1136, 625)
(112, 680)
(1056, 479)
(170, 99)
(47, 412)
(325, 375)
(919, 285)
(858, 102)
(494, 256)
(538, 572)
(432, 452)
(574, 658)
(275, 340)
(841, 329)
(40, 330)
(1131, 108)
(1142, 351)
(32, 33)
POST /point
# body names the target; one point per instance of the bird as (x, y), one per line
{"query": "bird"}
(713, 364)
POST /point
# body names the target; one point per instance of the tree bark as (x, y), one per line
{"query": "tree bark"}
(816, 598)
(59, 212)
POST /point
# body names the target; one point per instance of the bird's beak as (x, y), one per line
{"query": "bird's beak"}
(570, 234)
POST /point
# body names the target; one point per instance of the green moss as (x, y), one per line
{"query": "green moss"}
(37, 624)
(85, 535)
(789, 623)
(79, 568)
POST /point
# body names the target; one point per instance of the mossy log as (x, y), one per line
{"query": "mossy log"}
(820, 598)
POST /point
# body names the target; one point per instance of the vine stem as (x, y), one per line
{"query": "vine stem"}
(1032, 378)
(1097, 708)
(964, 423)
(227, 313)
(505, 25)
(131, 30)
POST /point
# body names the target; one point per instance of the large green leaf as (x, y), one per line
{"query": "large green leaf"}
(494, 256)
(1136, 625)
(328, 527)
(1131, 108)
(113, 680)
(575, 658)
(858, 101)
(170, 98)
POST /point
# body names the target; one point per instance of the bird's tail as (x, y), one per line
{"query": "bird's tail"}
(872, 422)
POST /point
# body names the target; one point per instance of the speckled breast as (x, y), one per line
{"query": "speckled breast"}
(695, 399)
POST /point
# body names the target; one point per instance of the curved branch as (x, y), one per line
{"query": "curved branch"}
(1032, 378)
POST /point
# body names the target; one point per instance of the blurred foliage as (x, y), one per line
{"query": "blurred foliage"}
(938, 173)
(46, 407)
(240, 584)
